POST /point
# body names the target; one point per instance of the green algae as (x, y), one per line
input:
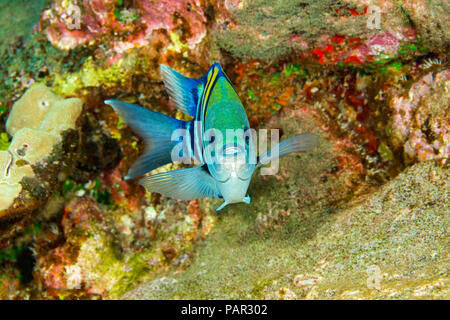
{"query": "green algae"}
(32, 58)
(385, 152)
(92, 75)
(4, 141)
(9, 254)
(18, 18)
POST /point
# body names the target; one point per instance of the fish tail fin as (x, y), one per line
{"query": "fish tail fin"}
(155, 129)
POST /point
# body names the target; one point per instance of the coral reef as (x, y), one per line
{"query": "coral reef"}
(124, 25)
(71, 266)
(362, 216)
(328, 31)
(128, 247)
(430, 19)
(20, 19)
(43, 129)
(391, 244)
(421, 120)
(41, 109)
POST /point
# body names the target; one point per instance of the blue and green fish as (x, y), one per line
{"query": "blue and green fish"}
(226, 164)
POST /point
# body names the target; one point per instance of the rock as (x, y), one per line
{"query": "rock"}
(391, 243)
(328, 32)
(420, 118)
(102, 254)
(73, 266)
(430, 19)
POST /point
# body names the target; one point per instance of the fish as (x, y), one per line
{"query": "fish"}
(226, 164)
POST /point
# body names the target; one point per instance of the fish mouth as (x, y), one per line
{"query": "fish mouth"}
(243, 179)
(246, 200)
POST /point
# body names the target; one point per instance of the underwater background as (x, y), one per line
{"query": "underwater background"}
(365, 215)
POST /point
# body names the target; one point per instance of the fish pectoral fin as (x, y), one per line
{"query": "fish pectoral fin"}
(247, 199)
(185, 184)
(222, 206)
(299, 143)
(183, 91)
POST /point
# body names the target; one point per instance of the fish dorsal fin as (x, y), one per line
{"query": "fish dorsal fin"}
(217, 88)
(183, 91)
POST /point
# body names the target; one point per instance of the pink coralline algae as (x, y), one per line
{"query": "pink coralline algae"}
(69, 24)
(79, 214)
(421, 119)
(383, 43)
(131, 196)
(64, 268)
(357, 51)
